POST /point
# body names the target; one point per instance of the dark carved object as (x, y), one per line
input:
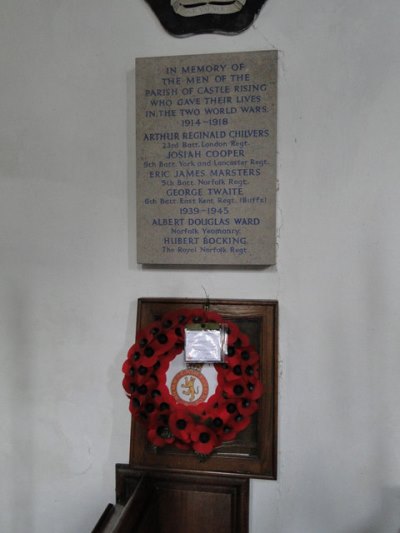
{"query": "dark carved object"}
(188, 17)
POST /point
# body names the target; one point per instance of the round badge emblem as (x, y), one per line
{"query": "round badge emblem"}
(189, 387)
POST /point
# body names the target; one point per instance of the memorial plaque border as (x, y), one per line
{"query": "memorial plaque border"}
(206, 185)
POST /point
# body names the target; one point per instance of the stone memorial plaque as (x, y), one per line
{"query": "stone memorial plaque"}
(206, 159)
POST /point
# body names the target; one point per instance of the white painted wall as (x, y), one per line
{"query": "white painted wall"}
(69, 280)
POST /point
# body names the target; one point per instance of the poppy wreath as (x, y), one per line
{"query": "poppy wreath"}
(199, 426)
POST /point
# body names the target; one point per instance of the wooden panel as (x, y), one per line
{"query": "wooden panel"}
(191, 509)
(182, 503)
(254, 451)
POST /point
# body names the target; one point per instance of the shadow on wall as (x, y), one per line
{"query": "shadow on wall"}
(131, 168)
(117, 393)
(388, 519)
(20, 463)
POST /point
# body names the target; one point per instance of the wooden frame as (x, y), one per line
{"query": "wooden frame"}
(175, 502)
(254, 452)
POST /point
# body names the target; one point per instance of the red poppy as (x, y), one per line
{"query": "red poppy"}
(133, 407)
(234, 372)
(160, 436)
(162, 394)
(143, 410)
(177, 319)
(163, 406)
(126, 366)
(228, 433)
(144, 392)
(238, 340)
(145, 335)
(148, 357)
(242, 356)
(204, 439)
(126, 383)
(232, 358)
(247, 407)
(181, 424)
(173, 319)
(133, 354)
(222, 412)
(142, 374)
(240, 422)
(235, 389)
(238, 369)
(253, 389)
(248, 357)
(164, 341)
